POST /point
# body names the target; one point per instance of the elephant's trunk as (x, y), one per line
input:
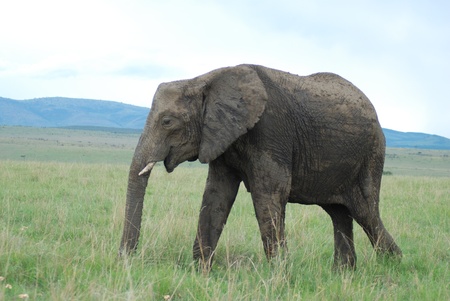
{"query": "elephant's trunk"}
(137, 183)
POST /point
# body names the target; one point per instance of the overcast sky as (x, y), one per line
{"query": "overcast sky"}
(396, 52)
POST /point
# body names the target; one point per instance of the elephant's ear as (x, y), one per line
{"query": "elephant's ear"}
(234, 100)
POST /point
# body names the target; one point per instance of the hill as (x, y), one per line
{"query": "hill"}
(110, 115)
(64, 112)
(415, 140)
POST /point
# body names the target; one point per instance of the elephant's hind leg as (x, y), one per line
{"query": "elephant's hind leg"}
(344, 248)
(365, 211)
(381, 240)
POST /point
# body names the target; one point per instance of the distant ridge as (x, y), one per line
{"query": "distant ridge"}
(64, 112)
(112, 116)
(415, 140)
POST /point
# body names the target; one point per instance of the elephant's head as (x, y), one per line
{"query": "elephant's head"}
(190, 119)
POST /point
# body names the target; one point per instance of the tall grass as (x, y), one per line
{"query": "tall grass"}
(60, 226)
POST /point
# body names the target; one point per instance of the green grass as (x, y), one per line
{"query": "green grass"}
(418, 162)
(61, 222)
(66, 145)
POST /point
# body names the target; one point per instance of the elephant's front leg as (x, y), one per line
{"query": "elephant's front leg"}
(270, 213)
(221, 188)
(270, 193)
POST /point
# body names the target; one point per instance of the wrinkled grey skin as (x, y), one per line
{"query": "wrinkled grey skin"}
(301, 139)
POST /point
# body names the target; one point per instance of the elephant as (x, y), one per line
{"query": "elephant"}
(290, 139)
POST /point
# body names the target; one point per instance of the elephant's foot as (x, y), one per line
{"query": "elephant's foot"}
(203, 257)
(392, 254)
(387, 248)
(127, 250)
(203, 266)
(275, 249)
(344, 262)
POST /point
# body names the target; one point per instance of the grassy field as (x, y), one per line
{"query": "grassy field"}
(64, 145)
(62, 204)
(417, 162)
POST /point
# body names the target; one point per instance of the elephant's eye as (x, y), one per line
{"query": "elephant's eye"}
(166, 122)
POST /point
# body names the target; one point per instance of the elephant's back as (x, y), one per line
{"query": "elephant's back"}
(324, 111)
(333, 91)
(324, 93)
(338, 109)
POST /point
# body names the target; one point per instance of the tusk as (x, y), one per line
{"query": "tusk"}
(147, 168)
